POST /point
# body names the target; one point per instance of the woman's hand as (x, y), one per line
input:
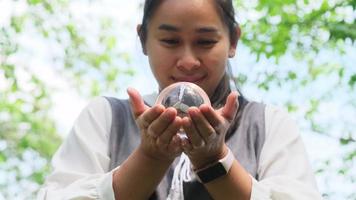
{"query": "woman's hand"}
(206, 130)
(158, 127)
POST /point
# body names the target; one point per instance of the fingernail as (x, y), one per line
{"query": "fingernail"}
(158, 108)
(129, 89)
(192, 111)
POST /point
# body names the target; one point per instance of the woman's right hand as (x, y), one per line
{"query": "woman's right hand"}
(158, 127)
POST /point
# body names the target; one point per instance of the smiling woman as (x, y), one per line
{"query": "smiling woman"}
(182, 49)
(233, 149)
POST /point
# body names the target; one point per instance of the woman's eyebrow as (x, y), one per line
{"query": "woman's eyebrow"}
(167, 27)
(206, 29)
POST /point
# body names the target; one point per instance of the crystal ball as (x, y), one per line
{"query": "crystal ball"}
(181, 96)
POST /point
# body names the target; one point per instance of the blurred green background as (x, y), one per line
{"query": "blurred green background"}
(298, 54)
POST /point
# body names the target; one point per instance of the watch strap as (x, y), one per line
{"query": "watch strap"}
(215, 170)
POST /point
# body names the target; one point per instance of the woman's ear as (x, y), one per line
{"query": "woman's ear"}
(234, 42)
(140, 35)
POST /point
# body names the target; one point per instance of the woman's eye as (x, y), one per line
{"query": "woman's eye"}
(170, 41)
(207, 42)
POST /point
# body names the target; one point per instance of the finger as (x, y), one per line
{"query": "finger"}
(151, 114)
(231, 106)
(175, 145)
(211, 115)
(186, 146)
(166, 137)
(162, 122)
(136, 101)
(206, 131)
(192, 133)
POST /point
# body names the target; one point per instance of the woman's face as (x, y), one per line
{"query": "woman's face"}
(187, 41)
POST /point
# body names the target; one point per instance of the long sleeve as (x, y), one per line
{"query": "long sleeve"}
(81, 164)
(284, 169)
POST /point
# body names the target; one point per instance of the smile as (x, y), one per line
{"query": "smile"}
(192, 79)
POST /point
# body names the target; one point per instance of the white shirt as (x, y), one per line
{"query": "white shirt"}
(81, 164)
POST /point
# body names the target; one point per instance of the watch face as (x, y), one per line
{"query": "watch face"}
(212, 173)
(181, 96)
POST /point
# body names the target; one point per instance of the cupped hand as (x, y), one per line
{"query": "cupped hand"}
(158, 127)
(206, 130)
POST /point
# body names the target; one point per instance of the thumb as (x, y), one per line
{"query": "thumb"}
(136, 101)
(230, 108)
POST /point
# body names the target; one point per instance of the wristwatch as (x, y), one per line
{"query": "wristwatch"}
(215, 170)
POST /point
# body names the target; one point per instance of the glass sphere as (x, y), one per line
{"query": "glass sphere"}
(181, 96)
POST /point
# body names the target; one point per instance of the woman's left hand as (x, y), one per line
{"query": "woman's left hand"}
(206, 130)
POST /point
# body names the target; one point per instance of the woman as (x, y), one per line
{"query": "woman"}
(234, 149)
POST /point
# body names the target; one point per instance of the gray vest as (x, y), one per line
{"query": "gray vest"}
(246, 143)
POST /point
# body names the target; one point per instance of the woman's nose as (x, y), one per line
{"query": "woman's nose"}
(188, 61)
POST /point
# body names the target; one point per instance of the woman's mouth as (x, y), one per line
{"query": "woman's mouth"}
(191, 79)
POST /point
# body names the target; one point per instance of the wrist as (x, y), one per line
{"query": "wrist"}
(216, 169)
(138, 169)
(203, 162)
(152, 158)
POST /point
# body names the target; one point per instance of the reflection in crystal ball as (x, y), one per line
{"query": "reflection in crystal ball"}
(181, 96)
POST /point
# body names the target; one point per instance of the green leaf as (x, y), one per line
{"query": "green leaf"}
(34, 2)
(291, 107)
(241, 79)
(346, 141)
(324, 6)
(3, 157)
(342, 30)
(341, 73)
(352, 81)
(352, 3)
(351, 156)
(292, 75)
(110, 42)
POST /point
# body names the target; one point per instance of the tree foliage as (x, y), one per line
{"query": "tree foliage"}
(71, 48)
(320, 37)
